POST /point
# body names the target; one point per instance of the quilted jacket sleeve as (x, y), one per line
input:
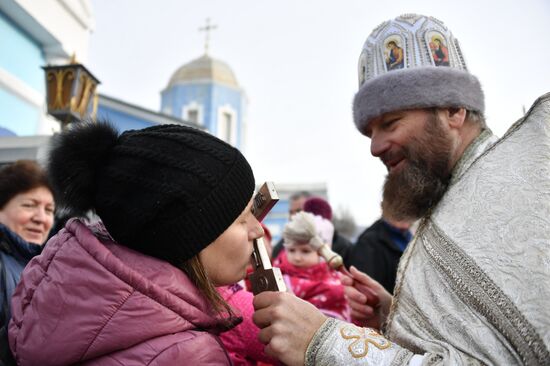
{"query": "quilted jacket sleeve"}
(186, 348)
(203, 349)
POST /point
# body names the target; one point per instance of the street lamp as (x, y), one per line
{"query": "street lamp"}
(69, 91)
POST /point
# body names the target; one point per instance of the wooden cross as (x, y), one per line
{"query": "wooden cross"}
(206, 29)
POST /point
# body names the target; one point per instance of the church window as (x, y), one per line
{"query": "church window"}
(228, 122)
(193, 115)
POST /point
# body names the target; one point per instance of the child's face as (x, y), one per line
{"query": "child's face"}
(225, 260)
(302, 255)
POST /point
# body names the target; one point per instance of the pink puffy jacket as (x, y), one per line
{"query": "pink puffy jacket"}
(242, 342)
(90, 301)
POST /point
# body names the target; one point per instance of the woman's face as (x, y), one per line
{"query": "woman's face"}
(30, 214)
(225, 260)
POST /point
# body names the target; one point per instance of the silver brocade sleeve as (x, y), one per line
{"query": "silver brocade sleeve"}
(339, 343)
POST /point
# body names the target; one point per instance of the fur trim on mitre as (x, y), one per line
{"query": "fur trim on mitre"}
(419, 87)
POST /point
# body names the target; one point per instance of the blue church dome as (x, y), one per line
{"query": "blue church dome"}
(205, 91)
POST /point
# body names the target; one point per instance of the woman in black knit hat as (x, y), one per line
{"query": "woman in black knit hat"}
(138, 287)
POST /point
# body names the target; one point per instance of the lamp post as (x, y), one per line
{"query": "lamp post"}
(69, 91)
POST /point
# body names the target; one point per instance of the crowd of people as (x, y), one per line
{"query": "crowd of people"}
(151, 266)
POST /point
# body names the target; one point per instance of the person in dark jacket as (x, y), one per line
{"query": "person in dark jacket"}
(379, 248)
(26, 217)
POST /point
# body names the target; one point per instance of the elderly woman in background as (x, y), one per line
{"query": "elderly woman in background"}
(26, 217)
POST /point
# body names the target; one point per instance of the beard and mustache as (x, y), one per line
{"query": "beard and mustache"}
(419, 185)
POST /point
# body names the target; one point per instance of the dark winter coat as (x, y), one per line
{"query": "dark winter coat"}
(376, 254)
(15, 253)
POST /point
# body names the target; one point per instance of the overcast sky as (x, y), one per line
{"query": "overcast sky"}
(297, 62)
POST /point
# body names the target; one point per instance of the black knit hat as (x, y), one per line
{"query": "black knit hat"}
(167, 191)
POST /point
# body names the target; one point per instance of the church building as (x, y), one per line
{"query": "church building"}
(202, 93)
(205, 91)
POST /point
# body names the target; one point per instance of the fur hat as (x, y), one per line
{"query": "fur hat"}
(307, 228)
(413, 62)
(167, 191)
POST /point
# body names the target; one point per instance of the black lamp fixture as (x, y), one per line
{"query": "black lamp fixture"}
(70, 92)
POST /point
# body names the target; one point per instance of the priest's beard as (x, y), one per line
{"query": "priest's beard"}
(413, 190)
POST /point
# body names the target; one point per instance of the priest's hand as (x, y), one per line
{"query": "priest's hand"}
(369, 301)
(287, 325)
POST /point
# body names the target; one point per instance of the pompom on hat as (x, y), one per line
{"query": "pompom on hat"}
(413, 62)
(167, 191)
(318, 206)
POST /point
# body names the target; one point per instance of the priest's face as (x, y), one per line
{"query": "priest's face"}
(416, 146)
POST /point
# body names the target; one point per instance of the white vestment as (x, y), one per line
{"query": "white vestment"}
(473, 286)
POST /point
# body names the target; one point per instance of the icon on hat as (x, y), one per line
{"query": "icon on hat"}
(438, 48)
(394, 53)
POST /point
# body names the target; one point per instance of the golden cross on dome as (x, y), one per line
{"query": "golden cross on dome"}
(206, 29)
